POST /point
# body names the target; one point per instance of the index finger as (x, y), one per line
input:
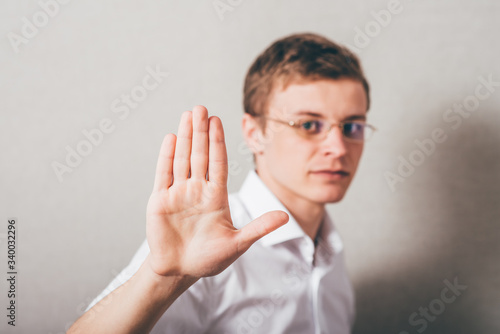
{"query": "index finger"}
(217, 155)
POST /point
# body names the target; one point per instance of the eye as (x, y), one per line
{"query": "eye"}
(311, 127)
(354, 130)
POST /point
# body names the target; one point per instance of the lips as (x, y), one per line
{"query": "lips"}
(328, 171)
(331, 174)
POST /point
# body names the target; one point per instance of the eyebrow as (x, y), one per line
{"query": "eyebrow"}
(355, 118)
(318, 115)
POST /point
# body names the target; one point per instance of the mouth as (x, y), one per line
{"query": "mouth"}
(331, 174)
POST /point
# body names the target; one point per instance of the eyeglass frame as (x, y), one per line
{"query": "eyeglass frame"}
(296, 125)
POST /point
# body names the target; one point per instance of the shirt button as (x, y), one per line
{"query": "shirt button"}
(308, 250)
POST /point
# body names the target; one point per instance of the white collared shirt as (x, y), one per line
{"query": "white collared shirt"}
(282, 284)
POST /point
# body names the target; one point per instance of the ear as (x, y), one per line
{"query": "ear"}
(252, 133)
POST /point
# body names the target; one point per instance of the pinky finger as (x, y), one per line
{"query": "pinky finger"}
(164, 167)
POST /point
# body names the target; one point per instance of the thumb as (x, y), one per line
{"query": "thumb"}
(260, 227)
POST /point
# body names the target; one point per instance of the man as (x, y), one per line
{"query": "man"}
(305, 100)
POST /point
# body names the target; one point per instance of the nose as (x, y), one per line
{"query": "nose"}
(334, 142)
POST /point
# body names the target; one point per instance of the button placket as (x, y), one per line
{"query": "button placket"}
(307, 250)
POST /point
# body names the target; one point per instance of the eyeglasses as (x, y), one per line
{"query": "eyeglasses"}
(318, 129)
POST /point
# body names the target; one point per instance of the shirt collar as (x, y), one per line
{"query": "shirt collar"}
(330, 235)
(258, 199)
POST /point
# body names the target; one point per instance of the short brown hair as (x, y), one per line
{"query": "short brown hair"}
(304, 56)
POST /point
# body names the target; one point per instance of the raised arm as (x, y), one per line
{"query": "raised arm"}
(189, 229)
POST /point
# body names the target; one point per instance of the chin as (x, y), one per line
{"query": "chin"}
(326, 196)
(333, 199)
(328, 191)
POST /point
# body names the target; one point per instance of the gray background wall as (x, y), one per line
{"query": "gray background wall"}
(441, 223)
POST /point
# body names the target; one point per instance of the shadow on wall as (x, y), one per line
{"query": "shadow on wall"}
(453, 284)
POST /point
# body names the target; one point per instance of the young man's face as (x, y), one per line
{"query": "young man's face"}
(292, 165)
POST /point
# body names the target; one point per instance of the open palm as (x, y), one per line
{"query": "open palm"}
(189, 227)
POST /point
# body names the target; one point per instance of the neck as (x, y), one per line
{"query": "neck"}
(308, 215)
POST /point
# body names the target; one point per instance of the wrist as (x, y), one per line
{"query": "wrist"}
(165, 286)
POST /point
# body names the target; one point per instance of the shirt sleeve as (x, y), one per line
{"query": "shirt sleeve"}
(189, 312)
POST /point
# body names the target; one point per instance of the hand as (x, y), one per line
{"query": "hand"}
(189, 227)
